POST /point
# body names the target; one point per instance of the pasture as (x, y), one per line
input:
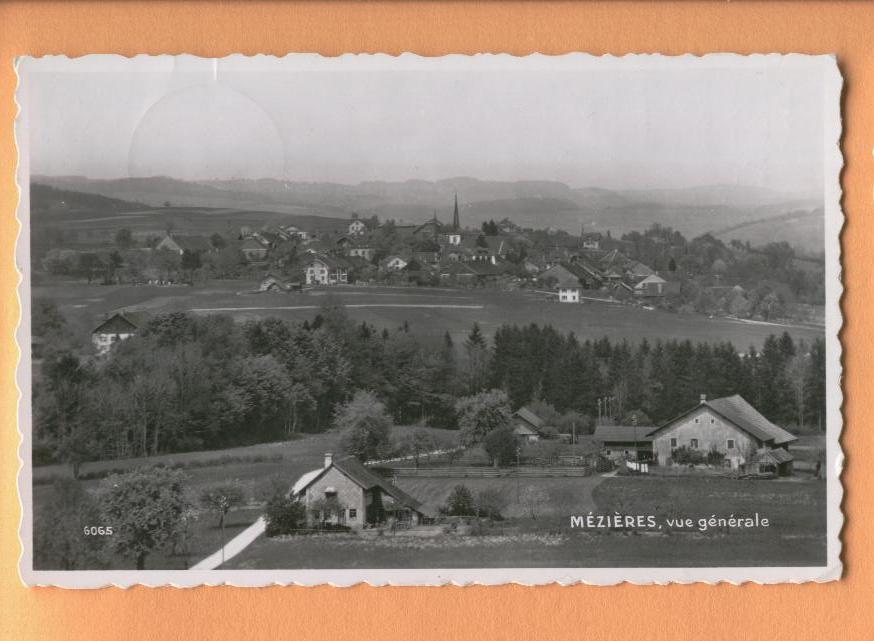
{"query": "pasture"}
(429, 311)
(795, 538)
(255, 467)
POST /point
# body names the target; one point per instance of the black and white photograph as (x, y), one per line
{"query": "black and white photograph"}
(407, 320)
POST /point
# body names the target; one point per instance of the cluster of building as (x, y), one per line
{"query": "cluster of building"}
(434, 251)
(744, 438)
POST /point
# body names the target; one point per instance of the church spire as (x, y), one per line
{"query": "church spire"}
(456, 223)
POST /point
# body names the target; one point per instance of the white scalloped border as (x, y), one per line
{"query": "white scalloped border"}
(834, 219)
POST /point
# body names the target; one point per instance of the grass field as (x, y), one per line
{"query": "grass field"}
(253, 466)
(428, 310)
(796, 536)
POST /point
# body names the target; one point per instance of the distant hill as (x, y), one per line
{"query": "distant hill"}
(804, 229)
(541, 204)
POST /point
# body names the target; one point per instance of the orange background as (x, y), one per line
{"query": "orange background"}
(837, 610)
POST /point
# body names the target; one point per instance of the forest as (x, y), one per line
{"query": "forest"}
(191, 382)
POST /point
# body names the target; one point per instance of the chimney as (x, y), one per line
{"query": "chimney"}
(329, 458)
(704, 398)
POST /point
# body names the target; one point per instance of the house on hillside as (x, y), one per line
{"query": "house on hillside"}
(357, 227)
(625, 442)
(181, 243)
(653, 286)
(570, 278)
(355, 496)
(528, 426)
(326, 270)
(118, 327)
(591, 240)
(732, 427)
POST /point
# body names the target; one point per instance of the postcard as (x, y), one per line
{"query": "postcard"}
(416, 321)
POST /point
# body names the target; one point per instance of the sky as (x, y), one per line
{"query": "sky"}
(613, 123)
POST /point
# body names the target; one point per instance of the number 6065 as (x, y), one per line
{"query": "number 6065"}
(97, 530)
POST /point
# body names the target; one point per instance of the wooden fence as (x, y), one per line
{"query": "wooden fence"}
(524, 471)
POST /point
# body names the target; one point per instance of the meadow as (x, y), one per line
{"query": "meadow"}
(426, 310)
(795, 538)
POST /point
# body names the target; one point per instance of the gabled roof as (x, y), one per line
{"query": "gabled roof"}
(333, 262)
(622, 433)
(652, 278)
(529, 417)
(352, 468)
(778, 455)
(742, 415)
(124, 320)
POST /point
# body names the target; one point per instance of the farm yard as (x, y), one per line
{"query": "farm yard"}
(427, 310)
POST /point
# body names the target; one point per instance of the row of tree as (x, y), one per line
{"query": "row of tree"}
(190, 382)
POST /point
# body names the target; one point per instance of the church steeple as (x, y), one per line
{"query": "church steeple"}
(456, 223)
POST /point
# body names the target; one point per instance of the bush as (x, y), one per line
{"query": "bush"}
(490, 503)
(715, 457)
(460, 502)
(686, 456)
(500, 445)
(284, 515)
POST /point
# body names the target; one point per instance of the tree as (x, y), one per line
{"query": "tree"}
(284, 515)
(146, 509)
(326, 509)
(477, 359)
(460, 502)
(218, 241)
(220, 499)
(59, 539)
(490, 503)
(364, 426)
(500, 445)
(124, 238)
(480, 414)
(416, 442)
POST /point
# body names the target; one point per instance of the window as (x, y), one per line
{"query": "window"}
(712, 420)
(353, 514)
(697, 420)
(730, 444)
(673, 443)
(693, 443)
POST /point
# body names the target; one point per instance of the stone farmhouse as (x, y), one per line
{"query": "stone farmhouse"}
(732, 427)
(360, 497)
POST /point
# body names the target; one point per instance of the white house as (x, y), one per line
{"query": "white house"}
(326, 270)
(118, 327)
(393, 263)
(357, 227)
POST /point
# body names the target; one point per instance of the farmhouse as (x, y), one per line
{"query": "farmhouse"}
(527, 426)
(180, 244)
(118, 327)
(355, 496)
(624, 442)
(730, 426)
(651, 286)
(570, 278)
(326, 270)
